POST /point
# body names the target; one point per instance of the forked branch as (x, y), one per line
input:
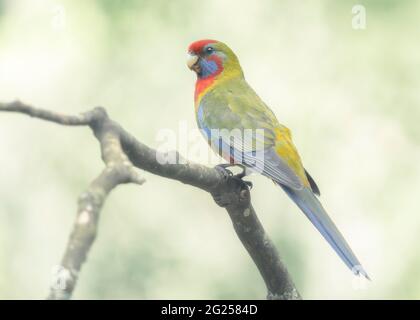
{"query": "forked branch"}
(122, 155)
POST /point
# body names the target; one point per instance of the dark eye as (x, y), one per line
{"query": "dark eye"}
(209, 49)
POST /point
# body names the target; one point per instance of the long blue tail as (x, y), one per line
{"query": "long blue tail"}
(310, 205)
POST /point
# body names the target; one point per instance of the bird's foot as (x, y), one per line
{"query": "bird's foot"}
(234, 185)
(223, 168)
(249, 184)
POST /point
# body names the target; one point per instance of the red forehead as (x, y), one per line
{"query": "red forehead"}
(198, 45)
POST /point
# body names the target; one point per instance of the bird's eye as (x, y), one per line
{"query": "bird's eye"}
(209, 49)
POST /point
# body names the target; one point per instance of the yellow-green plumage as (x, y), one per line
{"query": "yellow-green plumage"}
(230, 103)
(224, 100)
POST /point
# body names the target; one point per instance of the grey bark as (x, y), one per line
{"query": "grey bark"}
(123, 155)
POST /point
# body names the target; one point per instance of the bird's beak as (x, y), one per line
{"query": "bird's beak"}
(192, 62)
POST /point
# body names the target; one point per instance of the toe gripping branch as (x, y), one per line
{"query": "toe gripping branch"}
(235, 189)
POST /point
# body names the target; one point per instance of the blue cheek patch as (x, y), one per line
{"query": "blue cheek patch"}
(208, 68)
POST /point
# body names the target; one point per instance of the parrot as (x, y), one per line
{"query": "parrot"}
(244, 131)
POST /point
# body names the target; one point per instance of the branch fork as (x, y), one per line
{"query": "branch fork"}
(123, 155)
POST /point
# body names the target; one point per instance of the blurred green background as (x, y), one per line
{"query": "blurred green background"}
(350, 97)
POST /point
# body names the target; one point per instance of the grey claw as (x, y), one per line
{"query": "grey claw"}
(249, 184)
(246, 184)
(225, 172)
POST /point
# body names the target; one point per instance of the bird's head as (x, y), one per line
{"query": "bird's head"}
(209, 58)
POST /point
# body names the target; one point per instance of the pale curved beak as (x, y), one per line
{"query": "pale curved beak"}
(192, 60)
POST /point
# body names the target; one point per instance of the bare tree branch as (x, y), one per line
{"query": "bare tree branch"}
(121, 153)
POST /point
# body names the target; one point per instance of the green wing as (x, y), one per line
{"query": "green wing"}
(236, 107)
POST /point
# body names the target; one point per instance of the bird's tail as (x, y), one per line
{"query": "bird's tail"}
(313, 209)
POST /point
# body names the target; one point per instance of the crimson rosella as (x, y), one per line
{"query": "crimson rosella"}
(241, 128)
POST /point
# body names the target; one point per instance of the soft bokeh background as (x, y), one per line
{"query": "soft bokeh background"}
(350, 97)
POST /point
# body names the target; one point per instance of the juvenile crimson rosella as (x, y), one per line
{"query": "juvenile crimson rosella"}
(225, 101)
